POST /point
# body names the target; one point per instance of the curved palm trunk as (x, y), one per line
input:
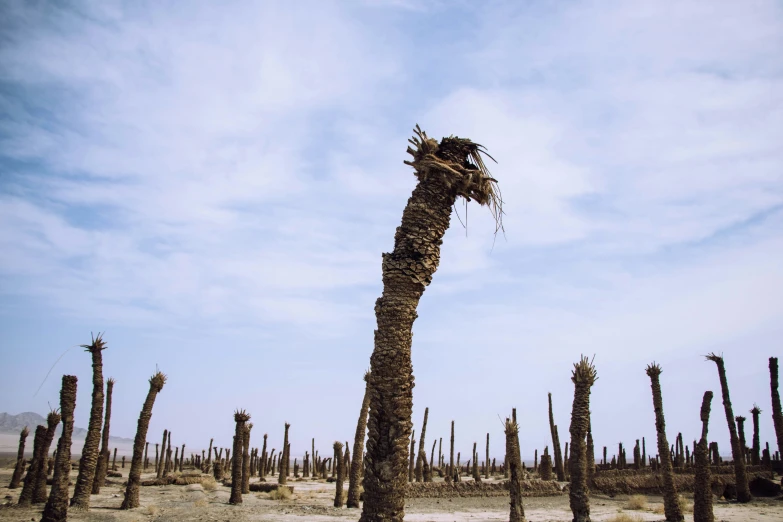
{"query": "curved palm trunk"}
(738, 454)
(559, 470)
(56, 509)
(702, 490)
(26, 496)
(670, 505)
(444, 172)
(105, 454)
(131, 499)
(89, 459)
(39, 490)
(16, 478)
(777, 414)
(517, 511)
(240, 417)
(358, 448)
(583, 377)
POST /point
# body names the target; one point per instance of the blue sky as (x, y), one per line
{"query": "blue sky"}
(213, 184)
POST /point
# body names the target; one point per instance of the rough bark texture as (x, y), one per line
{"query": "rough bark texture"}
(16, 478)
(590, 450)
(131, 499)
(246, 458)
(450, 470)
(26, 496)
(670, 505)
(738, 454)
(444, 172)
(282, 477)
(39, 490)
(358, 448)
(559, 470)
(741, 436)
(89, 458)
(486, 459)
(702, 492)
(412, 453)
(56, 509)
(105, 454)
(421, 454)
(583, 377)
(517, 509)
(339, 463)
(777, 414)
(545, 466)
(240, 417)
(755, 454)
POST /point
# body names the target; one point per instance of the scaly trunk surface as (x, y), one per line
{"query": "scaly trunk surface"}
(105, 454)
(358, 448)
(16, 478)
(583, 377)
(56, 509)
(702, 490)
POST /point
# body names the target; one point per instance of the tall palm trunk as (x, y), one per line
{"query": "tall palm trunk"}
(245, 458)
(339, 463)
(16, 478)
(422, 454)
(559, 470)
(741, 436)
(450, 470)
(26, 496)
(282, 477)
(358, 447)
(445, 171)
(56, 509)
(39, 490)
(134, 477)
(583, 377)
(89, 459)
(517, 509)
(240, 417)
(161, 463)
(777, 414)
(702, 490)
(738, 454)
(671, 506)
(103, 459)
(755, 454)
(590, 449)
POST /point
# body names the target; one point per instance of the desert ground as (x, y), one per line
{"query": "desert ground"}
(312, 501)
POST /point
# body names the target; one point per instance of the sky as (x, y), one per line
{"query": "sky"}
(212, 185)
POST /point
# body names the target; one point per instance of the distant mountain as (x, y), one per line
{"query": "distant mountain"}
(15, 423)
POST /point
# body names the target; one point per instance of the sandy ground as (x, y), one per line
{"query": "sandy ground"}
(312, 501)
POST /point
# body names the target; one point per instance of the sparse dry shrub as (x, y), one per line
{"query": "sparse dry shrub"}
(625, 517)
(152, 510)
(685, 505)
(201, 503)
(281, 493)
(209, 483)
(638, 502)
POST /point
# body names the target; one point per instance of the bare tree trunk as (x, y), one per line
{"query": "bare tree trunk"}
(670, 504)
(517, 511)
(421, 454)
(583, 377)
(240, 417)
(26, 496)
(339, 463)
(558, 456)
(89, 458)
(445, 171)
(743, 491)
(282, 478)
(39, 490)
(702, 490)
(56, 509)
(131, 499)
(777, 414)
(16, 478)
(246, 459)
(105, 454)
(756, 450)
(358, 448)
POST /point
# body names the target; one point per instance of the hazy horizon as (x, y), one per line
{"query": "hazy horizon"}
(212, 185)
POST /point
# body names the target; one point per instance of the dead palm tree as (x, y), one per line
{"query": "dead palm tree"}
(358, 447)
(56, 509)
(702, 490)
(160, 463)
(89, 459)
(559, 470)
(282, 477)
(583, 376)
(777, 414)
(517, 510)
(26, 496)
(755, 454)
(240, 417)
(741, 436)
(738, 454)
(131, 499)
(39, 489)
(670, 504)
(445, 172)
(16, 478)
(339, 463)
(103, 459)
(245, 458)
(422, 453)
